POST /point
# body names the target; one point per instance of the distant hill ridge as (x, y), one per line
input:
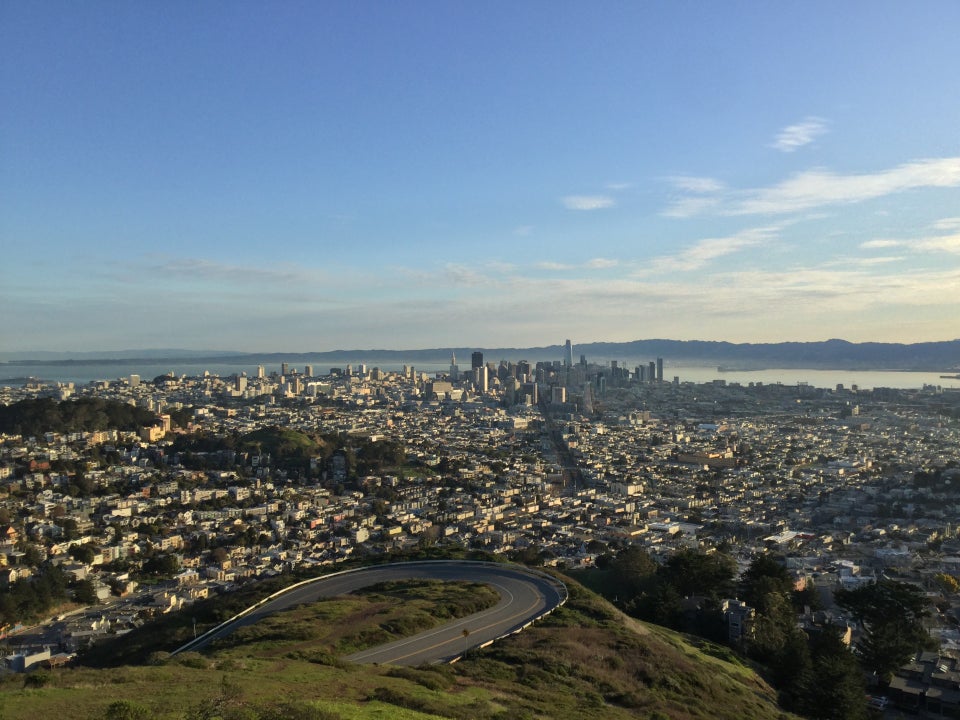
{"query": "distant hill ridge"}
(828, 354)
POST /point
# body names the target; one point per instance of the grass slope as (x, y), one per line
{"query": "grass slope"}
(586, 660)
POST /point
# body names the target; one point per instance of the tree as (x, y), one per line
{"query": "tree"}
(83, 553)
(765, 574)
(630, 573)
(836, 690)
(85, 592)
(696, 573)
(891, 614)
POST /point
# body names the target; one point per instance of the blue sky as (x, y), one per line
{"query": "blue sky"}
(319, 175)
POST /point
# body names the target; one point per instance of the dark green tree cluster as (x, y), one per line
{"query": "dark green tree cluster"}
(684, 593)
(818, 676)
(41, 415)
(891, 614)
(30, 598)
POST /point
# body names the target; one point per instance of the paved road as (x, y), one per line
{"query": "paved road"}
(524, 596)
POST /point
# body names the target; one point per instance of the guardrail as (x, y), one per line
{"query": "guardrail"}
(559, 587)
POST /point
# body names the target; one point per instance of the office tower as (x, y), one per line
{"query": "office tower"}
(583, 360)
(349, 371)
(558, 395)
(284, 369)
(454, 369)
(260, 372)
(652, 371)
(134, 381)
(308, 370)
(530, 390)
(481, 378)
(523, 370)
(660, 369)
(476, 360)
(241, 383)
(569, 354)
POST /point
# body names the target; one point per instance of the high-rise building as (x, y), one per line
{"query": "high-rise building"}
(652, 371)
(284, 369)
(476, 360)
(134, 381)
(569, 354)
(260, 371)
(481, 376)
(241, 383)
(308, 370)
(660, 369)
(523, 371)
(454, 369)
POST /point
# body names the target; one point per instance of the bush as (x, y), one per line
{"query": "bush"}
(126, 710)
(37, 679)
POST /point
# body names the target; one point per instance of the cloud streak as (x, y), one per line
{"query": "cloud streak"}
(199, 268)
(588, 202)
(816, 188)
(705, 251)
(794, 137)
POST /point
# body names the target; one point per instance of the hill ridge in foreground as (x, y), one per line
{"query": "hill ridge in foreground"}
(586, 660)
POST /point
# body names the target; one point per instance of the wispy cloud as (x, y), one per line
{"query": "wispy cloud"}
(694, 184)
(588, 202)
(601, 263)
(813, 189)
(212, 270)
(704, 251)
(523, 230)
(690, 206)
(618, 186)
(879, 244)
(944, 238)
(549, 265)
(462, 275)
(816, 188)
(803, 133)
(700, 195)
(952, 223)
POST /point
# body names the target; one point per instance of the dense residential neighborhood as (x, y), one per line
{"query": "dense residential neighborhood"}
(225, 479)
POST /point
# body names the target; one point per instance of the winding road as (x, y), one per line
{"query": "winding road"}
(525, 595)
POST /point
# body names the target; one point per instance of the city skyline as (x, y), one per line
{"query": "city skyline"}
(320, 177)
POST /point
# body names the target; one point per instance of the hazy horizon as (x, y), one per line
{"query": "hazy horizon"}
(427, 174)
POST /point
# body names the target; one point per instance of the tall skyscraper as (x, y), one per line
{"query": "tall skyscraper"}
(569, 355)
(476, 360)
(660, 369)
(652, 371)
(454, 369)
(481, 375)
(284, 369)
(308, 370)
(260, 371)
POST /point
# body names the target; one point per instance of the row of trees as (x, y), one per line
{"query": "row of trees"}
(36, 416)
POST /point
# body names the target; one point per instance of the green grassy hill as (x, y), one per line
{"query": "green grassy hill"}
(586, 660)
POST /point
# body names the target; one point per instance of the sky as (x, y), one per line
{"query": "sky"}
(310, 176)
